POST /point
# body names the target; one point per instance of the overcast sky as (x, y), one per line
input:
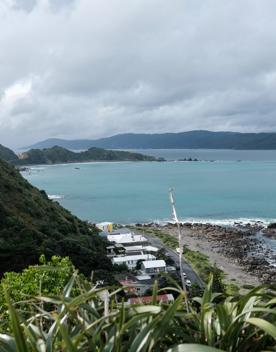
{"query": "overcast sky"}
(93, 68)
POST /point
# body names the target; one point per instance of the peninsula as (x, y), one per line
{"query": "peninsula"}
(56, 155)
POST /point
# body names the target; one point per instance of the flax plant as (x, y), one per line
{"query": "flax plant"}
(81, 322)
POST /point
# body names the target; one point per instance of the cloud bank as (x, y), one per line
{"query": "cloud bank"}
(94, 68)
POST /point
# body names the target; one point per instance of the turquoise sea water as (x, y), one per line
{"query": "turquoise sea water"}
(125, 192)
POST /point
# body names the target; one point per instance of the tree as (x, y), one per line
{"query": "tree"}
(162, 254)
(48, 278)
(139, 264)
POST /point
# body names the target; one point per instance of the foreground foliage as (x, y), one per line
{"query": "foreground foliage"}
(47, 278)
(85, 317)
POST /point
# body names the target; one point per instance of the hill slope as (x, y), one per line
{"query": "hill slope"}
(185, 140)
(61, 155)
(31, 224)
(7, 154)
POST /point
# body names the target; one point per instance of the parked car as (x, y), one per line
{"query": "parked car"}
(188, 282)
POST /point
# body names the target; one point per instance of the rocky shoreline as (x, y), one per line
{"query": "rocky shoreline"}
(270, 231)
(241, 246)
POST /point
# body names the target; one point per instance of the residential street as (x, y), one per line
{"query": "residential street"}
(191, 274)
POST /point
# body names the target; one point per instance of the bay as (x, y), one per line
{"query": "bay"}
(125, 192)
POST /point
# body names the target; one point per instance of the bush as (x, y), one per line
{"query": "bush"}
(46, 278)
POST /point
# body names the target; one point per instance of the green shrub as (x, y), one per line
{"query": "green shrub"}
(46, 278)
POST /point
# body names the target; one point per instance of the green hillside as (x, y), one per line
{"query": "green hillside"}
(57, 154)
(31, 224)
(7, 154)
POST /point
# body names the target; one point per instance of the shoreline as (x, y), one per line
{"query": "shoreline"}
(239, 250)
(260, 222)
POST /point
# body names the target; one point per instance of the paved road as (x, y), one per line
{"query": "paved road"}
(191, 274)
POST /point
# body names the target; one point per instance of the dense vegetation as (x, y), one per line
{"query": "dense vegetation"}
(7, 154)
(61, 155)
(85, 317)
(46, 278)
(186, 140)
(31, 225)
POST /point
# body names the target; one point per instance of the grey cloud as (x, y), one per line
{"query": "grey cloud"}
(91, 68)
(29, 5)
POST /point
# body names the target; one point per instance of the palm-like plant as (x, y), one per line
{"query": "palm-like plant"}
(85, 322)
(244, 324)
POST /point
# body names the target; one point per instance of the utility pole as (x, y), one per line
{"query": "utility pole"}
(180, 243)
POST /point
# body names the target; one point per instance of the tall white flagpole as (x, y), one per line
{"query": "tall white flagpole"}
(180, 245)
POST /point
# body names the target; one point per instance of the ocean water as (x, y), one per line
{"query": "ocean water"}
(223, 191)
(211, 154)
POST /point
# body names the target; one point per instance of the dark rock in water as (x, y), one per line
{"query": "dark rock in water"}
(270, 231)
(188, 159)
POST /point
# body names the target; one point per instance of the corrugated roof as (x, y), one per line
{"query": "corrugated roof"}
(143, 277)
(148, 264)
(133, 248)
(126, 238)
(134, 257)
(150, 248)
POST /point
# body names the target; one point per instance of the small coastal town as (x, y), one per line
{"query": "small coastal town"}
(147, 258)
(137, 176)
(144, 260)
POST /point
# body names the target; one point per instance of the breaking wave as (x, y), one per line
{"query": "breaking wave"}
(221, 222)
(55, 196)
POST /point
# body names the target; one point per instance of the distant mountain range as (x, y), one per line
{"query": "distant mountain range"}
(183, 140)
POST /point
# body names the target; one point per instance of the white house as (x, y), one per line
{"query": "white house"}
(131, 260)
(153, 266)
(129, 239)
(132, 250)
(129, 250)
(150, 249)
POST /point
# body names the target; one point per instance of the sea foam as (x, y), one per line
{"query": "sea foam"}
(220, 222)
(55, 196)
